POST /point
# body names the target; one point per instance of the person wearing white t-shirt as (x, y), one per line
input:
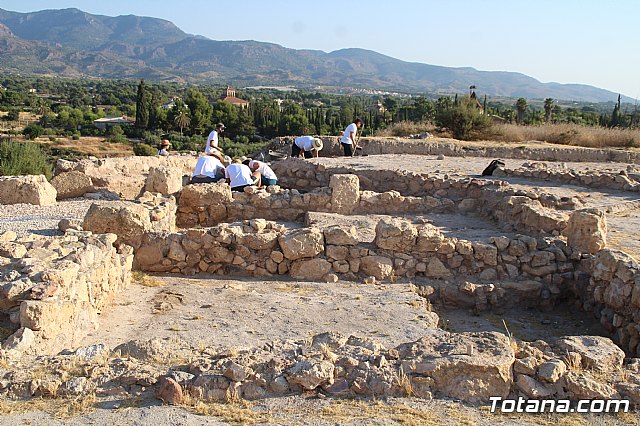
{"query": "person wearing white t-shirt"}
(349, 137)
(267, 175)
(212, 139)
(306, 146)
(239, 176)
(208, 169)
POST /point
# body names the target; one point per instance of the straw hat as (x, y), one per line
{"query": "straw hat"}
(317, 144)
(165, 143)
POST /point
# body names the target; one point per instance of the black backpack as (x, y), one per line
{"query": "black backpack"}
(491, 167)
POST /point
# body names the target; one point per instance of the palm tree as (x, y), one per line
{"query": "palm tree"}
(548, 107)
(182, 120)
(521, 106)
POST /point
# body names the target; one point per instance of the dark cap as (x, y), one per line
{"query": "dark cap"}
(220, 126)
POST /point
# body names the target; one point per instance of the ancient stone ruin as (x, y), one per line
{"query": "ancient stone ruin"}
(330, 221)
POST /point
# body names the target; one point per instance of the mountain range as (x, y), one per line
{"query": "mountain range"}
(73, 43)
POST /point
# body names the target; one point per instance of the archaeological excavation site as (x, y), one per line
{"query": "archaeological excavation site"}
(403, 273)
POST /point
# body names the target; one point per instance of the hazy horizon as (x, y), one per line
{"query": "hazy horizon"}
(569, 42)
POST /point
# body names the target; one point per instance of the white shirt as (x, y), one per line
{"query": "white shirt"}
(238, 174)
(163, 152)
(346, 138)
(213, 136)
(264, 169)
(305, 143)
(207, 166)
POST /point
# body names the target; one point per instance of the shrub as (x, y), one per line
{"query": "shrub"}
(52, 139)
(33, 131)
(405, 128)
(27, 158)
(75, 136)
(144, 149)
(465, 120)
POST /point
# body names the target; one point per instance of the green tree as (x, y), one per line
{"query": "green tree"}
(182, 120)
(143, 102)
(464, 119)
(548, 109)
(200, 110)
(24, 159)
(521, 107)
(33, 131)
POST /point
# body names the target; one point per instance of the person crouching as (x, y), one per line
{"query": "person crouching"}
(268, 177)
(208, 168)
(239, 176)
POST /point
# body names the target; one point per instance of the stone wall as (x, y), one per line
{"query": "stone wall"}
(127, 176)
(209, 204)
(52, 288)
(608, 284)
(129, 220)
(621, 181)
(522, 269)
(438, 146)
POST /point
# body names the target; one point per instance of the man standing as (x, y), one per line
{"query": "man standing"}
(212, 140)
(306, 146)
(349, 138)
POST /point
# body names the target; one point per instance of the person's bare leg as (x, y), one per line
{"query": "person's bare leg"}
(259, 176)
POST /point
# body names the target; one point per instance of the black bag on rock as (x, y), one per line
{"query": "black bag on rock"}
(491, 167)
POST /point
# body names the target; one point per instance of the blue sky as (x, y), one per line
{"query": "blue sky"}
(566, 41)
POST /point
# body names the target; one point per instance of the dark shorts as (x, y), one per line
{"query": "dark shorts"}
(295, 152)
(241, 188)
(348, 149)
(205, 179)
(266, 182)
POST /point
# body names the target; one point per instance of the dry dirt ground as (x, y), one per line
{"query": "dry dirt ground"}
(223, 313)
(215, 312)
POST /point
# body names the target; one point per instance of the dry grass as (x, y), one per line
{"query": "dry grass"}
(61, 408)
(404, 382)
(240, 412)
(89, 145)
(145, 280)
(351, 411)
(405, 128)
(569, 134)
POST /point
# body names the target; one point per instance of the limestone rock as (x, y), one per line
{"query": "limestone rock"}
(379, 267)
(429, 238)
(395, 234)
(345, 193)
(164, 180)
(341, 235)
(436, 269)
(587, 230)
(580, 386)
(129, 221)
(302, 243)
(209, 198)
(532, 388)
(313, 269)
(445, 357)
(550, 371)
(72, 184)
(31, 189)
(311, 374)
(19, 341)
(598, 353)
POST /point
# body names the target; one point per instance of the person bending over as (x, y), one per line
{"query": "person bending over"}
(306, 146)
(268, 177)
(208, 169)
(348, 140)
(239, 176)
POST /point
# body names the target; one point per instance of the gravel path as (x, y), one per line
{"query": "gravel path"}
(43, 220)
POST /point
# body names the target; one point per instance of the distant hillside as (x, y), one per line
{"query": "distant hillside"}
(74, 43)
